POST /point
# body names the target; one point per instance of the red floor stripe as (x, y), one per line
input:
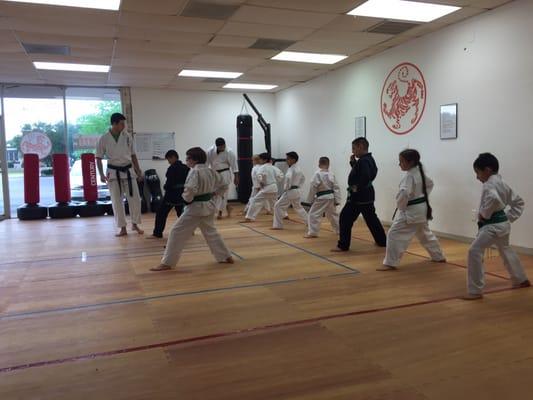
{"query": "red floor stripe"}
(230, 333)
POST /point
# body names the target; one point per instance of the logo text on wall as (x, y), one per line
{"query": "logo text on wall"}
(403, 98)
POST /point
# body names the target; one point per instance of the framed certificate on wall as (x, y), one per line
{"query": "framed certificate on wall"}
(448, 121)
(360, 127)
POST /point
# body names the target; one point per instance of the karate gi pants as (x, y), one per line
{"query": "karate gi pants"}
(134, 202)
(318, 208)
(488, 236)
(282, 205)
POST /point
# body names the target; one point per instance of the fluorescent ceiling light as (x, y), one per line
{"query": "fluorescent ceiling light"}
(52, 66)
(250, 86)
(99, 4)
(403, 10)
(209, 74)
(314, 58)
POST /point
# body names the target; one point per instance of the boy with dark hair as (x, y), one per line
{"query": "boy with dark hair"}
(201, 186)
(361, 197)
(176, 176)
(499, 207)
(294, 179)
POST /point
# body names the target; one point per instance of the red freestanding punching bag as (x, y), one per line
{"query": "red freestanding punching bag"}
(90, 182)
(31, 210)
(61, 178)
(63, 207)
(91, 207)
(31, 179)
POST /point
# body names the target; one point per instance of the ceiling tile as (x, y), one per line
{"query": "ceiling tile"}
(327, 6)
(162, 7)
(171, 23)
(265, 31)
(160, 35)
(232, 41)
(350, 23)
(266, 15)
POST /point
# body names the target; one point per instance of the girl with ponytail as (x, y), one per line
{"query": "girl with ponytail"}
(413, 213)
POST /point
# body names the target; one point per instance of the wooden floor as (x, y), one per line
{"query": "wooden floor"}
(289, 320)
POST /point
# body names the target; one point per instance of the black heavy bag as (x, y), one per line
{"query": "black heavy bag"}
(244, 156)
(154, 188)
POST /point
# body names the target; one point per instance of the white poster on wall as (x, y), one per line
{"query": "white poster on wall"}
(153, 146)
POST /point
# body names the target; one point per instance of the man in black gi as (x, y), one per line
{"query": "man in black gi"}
(361, 197)
(176, 175)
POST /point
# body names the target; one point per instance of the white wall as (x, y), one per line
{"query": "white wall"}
(198, 118)
(485, 64)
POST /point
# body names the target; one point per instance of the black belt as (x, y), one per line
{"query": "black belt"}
(222, 170)
(125, 169)
(294, 187)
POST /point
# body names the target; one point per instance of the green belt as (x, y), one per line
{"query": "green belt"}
(496, 218)
(202, 197)
(294, 187)
(416, 201)
(324, 192)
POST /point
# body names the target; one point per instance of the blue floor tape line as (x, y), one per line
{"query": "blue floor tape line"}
(170, 295)
(302, 249)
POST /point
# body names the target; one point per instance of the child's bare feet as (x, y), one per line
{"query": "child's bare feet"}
(123, 232)
(276, 229)
(219, 215)
(386, 268)
(443, 261)
(228, 260)
(472, 297)
(338, 250)
(524, 284)
(153, 237)
(310, 236)
(161, 267)
(136, 228)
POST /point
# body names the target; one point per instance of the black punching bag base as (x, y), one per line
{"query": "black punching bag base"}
(29, 212)
(63, 210)
(92, 209)
(108, 207)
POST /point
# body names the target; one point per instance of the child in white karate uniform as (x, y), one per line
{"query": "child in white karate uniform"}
(499, 207)
(256, 187)
(201, 186)
(268, 177)
(413, 214)
(294, 179)
(325, 195)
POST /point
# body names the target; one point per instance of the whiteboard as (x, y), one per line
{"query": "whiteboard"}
(154, 146)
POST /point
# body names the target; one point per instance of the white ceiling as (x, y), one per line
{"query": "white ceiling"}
(147, 42)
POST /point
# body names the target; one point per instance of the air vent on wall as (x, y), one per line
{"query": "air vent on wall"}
(216, 80)
(46, 49)
(272, 44)
(202, 9)
(392, 27)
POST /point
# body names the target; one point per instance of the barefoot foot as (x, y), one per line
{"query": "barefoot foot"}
(161, 267)
(122, 232)
(137, 229)
(472, 297)
(386, 268)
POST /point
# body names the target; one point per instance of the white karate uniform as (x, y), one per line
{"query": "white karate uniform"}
(226, 160)
(268, 177)
(495, 196)
(119, 154)
(322, 181)
(256, 187)
(411, 220)
(198, 214)
(294, 178)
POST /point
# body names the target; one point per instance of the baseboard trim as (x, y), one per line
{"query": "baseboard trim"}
(465, 239)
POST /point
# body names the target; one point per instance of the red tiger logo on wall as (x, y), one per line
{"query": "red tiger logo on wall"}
(403, 98)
